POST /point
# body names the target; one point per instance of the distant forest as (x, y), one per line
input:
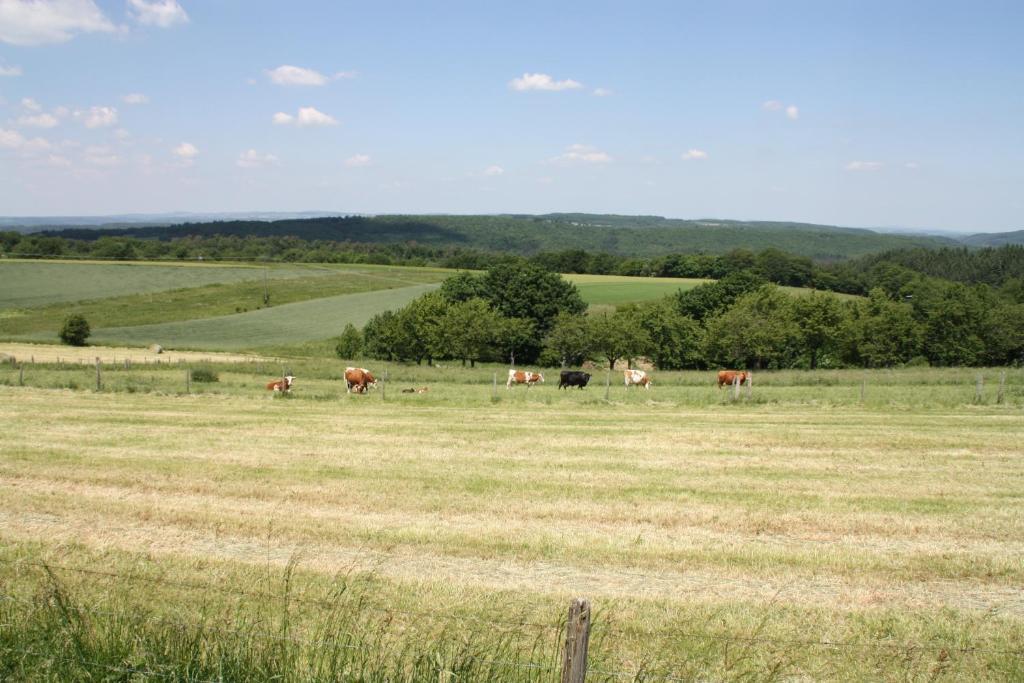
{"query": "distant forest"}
(636, 236)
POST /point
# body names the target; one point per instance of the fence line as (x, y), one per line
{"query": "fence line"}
(119, 669)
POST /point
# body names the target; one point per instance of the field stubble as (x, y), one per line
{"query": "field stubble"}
(672, 510)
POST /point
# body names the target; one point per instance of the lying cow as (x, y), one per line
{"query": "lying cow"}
(573, 378)
(283, 385)
(421, 390)
(523, 377)
(726, 377)
(359, 379)
(637, 378)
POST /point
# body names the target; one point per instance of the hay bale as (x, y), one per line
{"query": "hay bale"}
(156, 348)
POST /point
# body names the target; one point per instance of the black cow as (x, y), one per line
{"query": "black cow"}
(571, 378)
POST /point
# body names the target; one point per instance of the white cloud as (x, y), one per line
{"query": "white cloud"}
(792, 112)
(186, 153)
(31, 104)
(345, 74)
(581, 154)
(135, 98)
(542, 82)
(58, 161)
(9, 71)
(772, 105)
(12, 139)
(97, 117)
(864, 165)
(38, 22)
(122, 134)
(493, 170)
(603, 92)
(38, 120)
(307, 116)
(162, 13)
(695, 155)
(358, 160)
(295, 75)
(101, 156)
(253, 159)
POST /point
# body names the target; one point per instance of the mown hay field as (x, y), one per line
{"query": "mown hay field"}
(795, 534)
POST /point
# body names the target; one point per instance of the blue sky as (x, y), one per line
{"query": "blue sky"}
(852, 113)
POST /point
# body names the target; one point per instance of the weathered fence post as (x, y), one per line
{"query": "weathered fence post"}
(577, 638)
(127, 364)
(99, 381)
(750, 385)
(977, 388)
(188, 380)
(607, 385)
(1002, 386)
(735, 387)
(21, 375)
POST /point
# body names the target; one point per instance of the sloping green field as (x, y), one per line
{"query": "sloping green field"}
(37, 283)
(619, 289)
(292, 323)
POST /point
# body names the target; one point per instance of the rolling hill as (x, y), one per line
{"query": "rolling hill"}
(638, 236)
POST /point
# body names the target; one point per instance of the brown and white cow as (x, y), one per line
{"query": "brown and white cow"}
(284, 384)
(636, 378)
(523, 377)
(726, 377)
(359, 379)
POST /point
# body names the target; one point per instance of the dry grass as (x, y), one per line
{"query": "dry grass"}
(810, 521)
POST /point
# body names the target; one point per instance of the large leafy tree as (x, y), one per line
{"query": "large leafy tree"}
(469, 330)
(758, 331)
(617, 336)
(880, 332)
(820, 318)
(569, 341)
(673, 339)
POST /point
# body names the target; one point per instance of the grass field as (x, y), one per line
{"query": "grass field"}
(36, 283)
(798, 534)
(616, 289)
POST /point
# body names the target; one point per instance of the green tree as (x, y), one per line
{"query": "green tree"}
(463, 286)
(75, 330)
(470, 328)
(350, 343)
(880, 332)
(704, 301)
(381, 336)
(674, 340)
(820, 318)
(617, 336)
(758, 331)
(568, 342)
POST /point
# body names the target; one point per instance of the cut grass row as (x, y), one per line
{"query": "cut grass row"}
(772, 523)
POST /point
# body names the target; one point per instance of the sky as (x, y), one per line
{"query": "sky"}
(847, 112)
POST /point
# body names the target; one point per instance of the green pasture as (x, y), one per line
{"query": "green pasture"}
(212, 300)
(26, 284)
(618, 289)
(287, 324)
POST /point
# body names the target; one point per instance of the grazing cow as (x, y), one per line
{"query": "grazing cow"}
(523, 377)
(284, 384)
(359, 379)
(573, 378)
(421, 390)
(726, 377)
(637, 377)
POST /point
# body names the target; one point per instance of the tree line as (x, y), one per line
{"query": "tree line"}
(519, 312)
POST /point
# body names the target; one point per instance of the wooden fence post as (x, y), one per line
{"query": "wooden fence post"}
(607, 384)
(750, 385)
(188, 380)
(735, 387)
(577, 638)
(99, 382)
(977, 388)
(1002, 386)
(21, 375)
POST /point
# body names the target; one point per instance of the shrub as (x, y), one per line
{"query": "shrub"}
(350, 343)
(204, 375)
(75, 330)
(917, 362)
